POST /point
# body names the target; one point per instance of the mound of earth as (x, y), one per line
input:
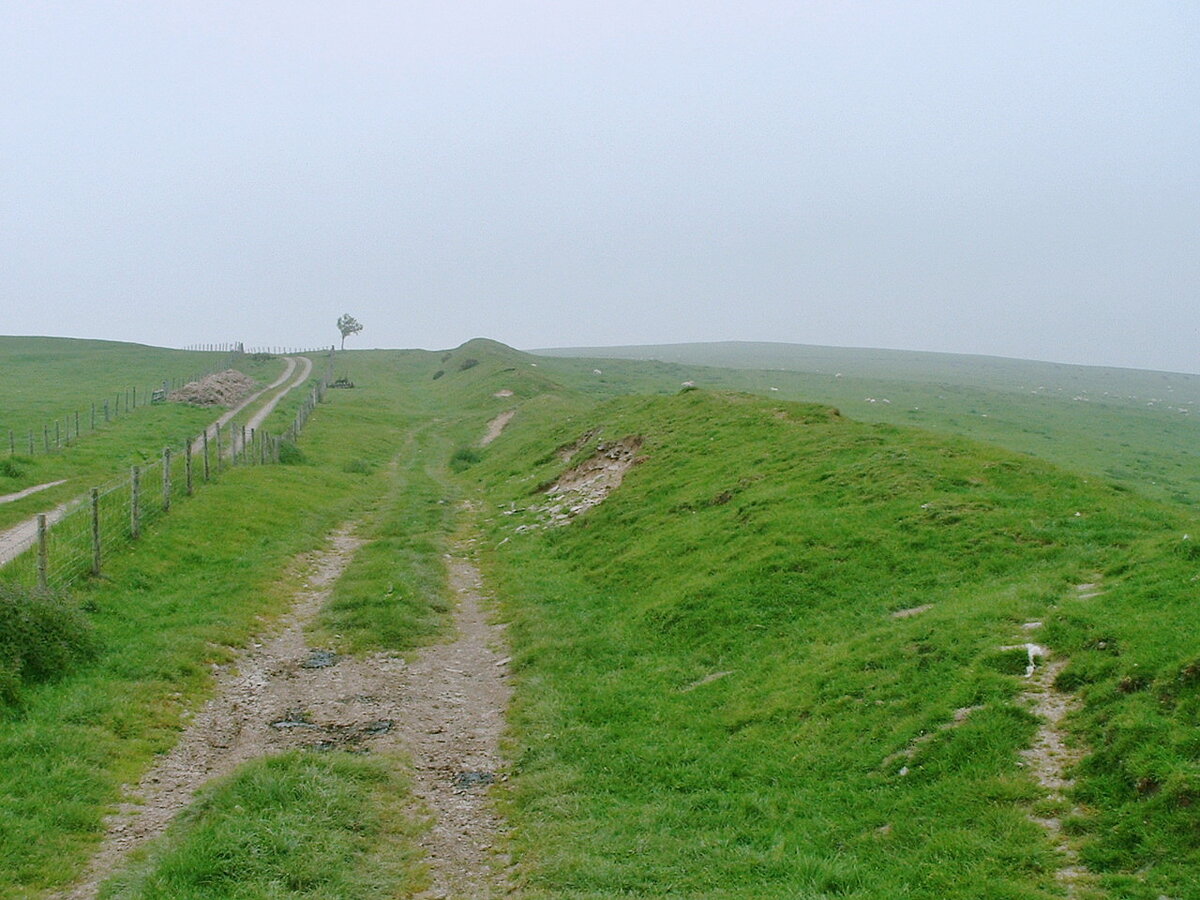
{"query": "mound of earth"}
(219, 389)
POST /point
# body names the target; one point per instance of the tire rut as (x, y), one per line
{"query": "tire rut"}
(445, 710)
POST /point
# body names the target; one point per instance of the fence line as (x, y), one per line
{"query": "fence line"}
(54, 437)
(75, 541)
(265, 350)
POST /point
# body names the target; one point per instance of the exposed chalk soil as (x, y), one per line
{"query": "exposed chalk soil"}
(496, 427)
(1050, 759)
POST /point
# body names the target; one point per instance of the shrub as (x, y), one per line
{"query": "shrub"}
(290, 454)
(464, 457)
(438, 374)
(468, 363)
(10, 468)
(43, 635)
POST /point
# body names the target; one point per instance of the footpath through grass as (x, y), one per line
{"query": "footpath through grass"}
(715, 697)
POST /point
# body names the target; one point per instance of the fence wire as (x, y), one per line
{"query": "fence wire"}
(86, 532)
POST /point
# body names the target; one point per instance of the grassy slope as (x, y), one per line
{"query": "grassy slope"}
(1124, 424)
(45, 376)
(792, 536)
(49, 378)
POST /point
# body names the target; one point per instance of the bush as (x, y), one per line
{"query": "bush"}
(42, 637)
(464, 457)
(468, 363)
(11, 468)
(290, 454)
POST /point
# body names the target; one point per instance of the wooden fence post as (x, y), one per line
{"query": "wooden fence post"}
(46, 437)
(31, 442)
(135, 503)
(135, 396)
(57, 436)
(95, 531)
(76, 424)
(187, 465)
(218, 448)
(204, 438)
(166, 479)
(105, 410)
(43, 559)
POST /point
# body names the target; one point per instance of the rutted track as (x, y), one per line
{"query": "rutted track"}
(444, 706)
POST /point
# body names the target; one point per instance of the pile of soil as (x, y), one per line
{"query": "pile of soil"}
(221, 389)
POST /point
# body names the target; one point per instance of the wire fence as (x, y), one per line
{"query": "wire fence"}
(66, 429)
(75, 540)
(264, 350)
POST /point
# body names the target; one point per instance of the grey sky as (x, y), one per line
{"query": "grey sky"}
(1011, 178)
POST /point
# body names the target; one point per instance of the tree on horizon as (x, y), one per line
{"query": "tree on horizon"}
(348, 325)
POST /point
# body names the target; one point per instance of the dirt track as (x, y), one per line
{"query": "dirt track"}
(443, 706)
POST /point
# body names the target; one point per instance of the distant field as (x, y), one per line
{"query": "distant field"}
(49, 379)
(1137, 428)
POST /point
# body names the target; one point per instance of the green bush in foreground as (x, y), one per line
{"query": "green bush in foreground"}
(42, 636)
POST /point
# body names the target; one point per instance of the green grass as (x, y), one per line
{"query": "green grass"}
(45, 372)
(1137, 428)
(771, 542)
(713, 698)
(202, 580)
(300, 825)
(49, 379)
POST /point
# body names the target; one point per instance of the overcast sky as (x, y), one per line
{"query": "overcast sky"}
(1010, 178)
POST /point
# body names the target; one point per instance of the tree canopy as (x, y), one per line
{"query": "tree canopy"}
(348, 325)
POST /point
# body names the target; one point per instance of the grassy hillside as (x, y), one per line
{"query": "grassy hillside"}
(716, 699)
(1139, 428)
(51, 378)
(784, 658)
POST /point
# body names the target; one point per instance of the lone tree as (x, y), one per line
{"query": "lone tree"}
(348, 325)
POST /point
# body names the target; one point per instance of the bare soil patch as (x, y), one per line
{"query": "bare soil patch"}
(496, 427)
(590, 482)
